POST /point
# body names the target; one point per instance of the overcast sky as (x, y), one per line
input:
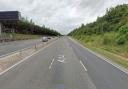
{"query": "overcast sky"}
(61, 15)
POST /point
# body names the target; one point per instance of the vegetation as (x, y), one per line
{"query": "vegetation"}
(108, 34)
(24, 26)
(25, 36)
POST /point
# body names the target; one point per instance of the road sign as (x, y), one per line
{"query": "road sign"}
(9, 16)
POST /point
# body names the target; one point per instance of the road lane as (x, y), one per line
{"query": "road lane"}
(83, 65)
(34, 73)
(9, 47)
(51, 63)
(103, 74)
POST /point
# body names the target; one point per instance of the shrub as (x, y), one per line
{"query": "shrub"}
(107, 39)
(120, 40)
(123, 35)
(123, 30)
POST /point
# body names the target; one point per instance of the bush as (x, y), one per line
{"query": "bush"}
(107, 39)
(123, 30)
(123, 35)
(120, 40)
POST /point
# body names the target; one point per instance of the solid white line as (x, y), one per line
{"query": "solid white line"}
(8, 54)
(103, 58)
(51, 63)
(11, 53)
(83, 66)
(1, 73)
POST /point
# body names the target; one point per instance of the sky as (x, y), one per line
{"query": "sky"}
(60, 15)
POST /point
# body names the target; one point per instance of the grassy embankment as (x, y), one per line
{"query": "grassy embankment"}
(105, 45)
(108, 35)
(24, 36)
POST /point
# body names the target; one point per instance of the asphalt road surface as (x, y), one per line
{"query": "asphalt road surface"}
(9, 47)
(64, 65)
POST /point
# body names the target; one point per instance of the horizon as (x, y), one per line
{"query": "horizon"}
(63, 17)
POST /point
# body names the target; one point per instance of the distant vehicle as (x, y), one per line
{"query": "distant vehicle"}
(44, 39)
(49, 37)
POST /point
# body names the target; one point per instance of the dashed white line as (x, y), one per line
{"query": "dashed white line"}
(51, 63)
(83, 66)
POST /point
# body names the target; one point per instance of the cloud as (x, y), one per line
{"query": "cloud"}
(61, 15)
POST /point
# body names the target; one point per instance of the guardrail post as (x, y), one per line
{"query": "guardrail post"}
(20, 53)
(35, 47)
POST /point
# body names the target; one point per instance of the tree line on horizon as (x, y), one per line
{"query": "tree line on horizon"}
(25, 26)
(115, 20)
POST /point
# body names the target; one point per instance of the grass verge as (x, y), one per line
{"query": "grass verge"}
(109, 55)
(15, 36)
(25, 36)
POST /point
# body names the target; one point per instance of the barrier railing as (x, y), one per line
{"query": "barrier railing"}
(5, 37)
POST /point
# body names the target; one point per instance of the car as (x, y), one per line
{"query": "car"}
(49, 37)
(44, 39)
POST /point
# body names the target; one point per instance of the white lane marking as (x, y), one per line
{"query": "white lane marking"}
(14, 52)
(83, 66)
(1, 73)
(8, 54)
(62, 61)
(61, 58)
(60, 55)
(51, 63)
(103, 58)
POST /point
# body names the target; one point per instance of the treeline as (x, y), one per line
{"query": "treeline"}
(115, 20)
(25, 26)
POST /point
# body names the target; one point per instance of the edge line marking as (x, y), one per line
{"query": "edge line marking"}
(102, 58)
(6, 70)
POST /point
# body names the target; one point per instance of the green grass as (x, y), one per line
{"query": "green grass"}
(113, 57)
(106, 47)
(25, 37)
(15, 36)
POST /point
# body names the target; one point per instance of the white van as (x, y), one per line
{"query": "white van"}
(44, 39)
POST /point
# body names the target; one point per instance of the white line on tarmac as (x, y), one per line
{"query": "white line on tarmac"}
(62, 61)
(83, 66)
(51, 63)
(103, 58)
(61, 58)
(1, 73)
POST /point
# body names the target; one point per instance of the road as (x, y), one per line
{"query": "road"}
(64, 65)
(9, 47)
(103, 74)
